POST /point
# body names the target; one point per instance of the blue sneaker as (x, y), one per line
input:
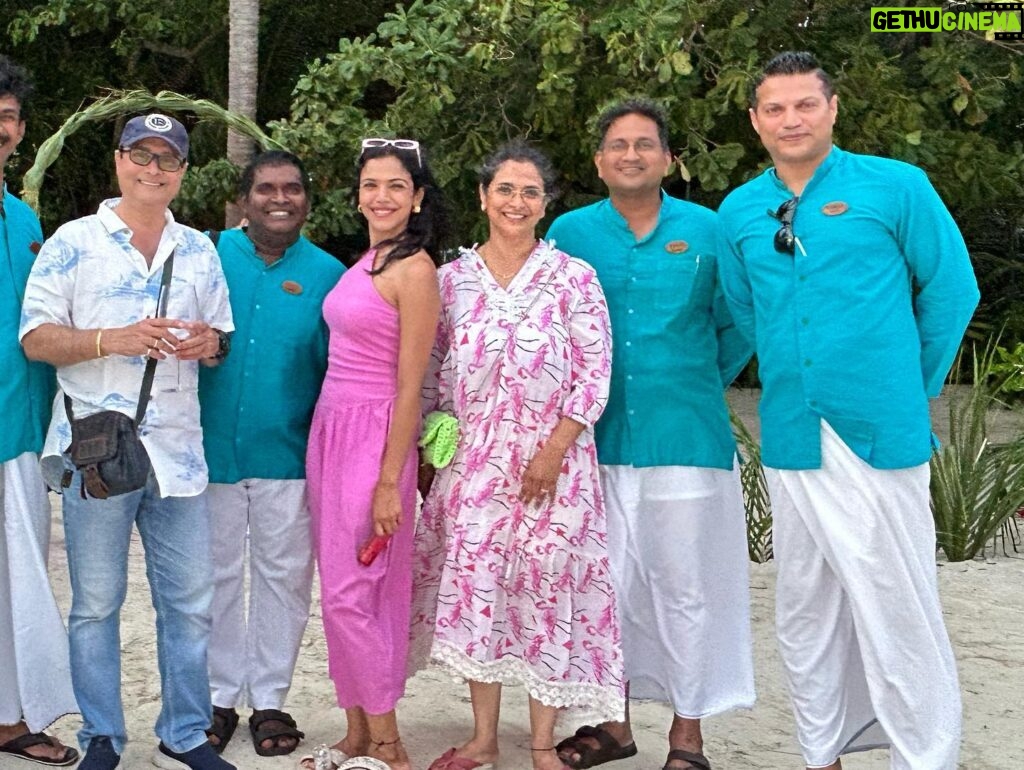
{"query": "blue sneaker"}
(100, 755)
(202, 757)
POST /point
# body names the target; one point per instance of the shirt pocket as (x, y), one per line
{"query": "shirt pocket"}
(288, 319)
(684, 281)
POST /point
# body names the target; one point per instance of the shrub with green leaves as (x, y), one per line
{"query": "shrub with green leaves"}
(1008, 370)
(977, 486)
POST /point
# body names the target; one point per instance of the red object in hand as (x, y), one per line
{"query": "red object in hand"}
(372, 548)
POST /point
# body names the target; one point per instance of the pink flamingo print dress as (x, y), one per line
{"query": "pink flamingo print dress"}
(504, 592)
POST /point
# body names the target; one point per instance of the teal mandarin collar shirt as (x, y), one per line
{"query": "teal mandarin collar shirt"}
(26, 387)
(257, 405)
(861, 329)
(676, 348)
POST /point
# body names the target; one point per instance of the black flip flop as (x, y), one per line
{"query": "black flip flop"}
(697, 761)
(17, 747)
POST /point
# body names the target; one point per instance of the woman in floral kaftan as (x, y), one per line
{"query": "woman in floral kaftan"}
(511, 577)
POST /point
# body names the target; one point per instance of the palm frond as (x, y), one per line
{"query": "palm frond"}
(758, 507)
(117, 103)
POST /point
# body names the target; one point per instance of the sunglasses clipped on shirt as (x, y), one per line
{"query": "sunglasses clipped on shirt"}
(785, 238)
(399, 144)
(143, 157)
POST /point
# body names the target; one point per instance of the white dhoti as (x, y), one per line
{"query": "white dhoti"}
(252, 655)
(35, 672)
(858, 617)
(678, 550)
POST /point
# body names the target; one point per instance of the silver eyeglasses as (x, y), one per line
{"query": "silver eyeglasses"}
(399, 144)
(529, 194)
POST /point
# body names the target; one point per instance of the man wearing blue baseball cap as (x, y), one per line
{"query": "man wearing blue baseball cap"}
(156, 126)
(108, 294)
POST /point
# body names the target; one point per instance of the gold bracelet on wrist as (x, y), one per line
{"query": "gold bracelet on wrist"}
(99, 338)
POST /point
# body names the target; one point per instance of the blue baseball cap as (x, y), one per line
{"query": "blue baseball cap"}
(156, 126)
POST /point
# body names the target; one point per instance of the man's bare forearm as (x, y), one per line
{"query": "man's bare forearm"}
(61, 345)
(64, 345)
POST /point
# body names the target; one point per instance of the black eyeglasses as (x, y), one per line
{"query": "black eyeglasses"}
(143, 157)
(785, 238)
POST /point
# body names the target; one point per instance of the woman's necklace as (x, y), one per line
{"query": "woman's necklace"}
(489, 262)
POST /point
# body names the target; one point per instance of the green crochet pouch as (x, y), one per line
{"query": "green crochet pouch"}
(439, 438)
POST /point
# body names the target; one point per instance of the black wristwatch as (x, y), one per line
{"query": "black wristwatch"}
(224, 347)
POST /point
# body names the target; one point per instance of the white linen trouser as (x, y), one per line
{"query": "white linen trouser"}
(857, 612)
(252, 659)
(35, 671)
(678, 553)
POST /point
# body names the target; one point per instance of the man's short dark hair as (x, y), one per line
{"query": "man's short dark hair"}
(270, 158)
(14, 81)
(791, 63)
(644, 108)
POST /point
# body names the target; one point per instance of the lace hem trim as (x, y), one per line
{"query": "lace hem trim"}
(605, 703)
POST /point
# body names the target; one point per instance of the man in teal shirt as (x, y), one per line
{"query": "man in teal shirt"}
(35, 673)
(676, 536)
(256, 411)
(855, 283)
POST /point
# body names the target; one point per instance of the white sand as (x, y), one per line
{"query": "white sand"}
(984, 607)
(984, 610)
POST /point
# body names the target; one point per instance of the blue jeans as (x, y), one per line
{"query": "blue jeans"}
(175, 536)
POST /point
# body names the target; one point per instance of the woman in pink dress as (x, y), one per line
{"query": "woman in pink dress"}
(361, 462)
(512, 582)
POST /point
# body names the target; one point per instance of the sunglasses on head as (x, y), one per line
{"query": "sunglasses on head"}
(785, 238)
(399, 144)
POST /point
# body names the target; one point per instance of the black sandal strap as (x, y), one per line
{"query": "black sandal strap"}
(697, 761)
(27, 740)
(260, 716)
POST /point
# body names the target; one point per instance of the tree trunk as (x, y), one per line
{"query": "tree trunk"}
(243, 50)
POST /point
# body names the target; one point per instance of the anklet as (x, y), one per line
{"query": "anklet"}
(549, 748)
(386, 743)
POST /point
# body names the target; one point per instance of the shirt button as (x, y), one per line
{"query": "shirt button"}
(629, 376)
(632, 411)
(632, 279)
(807, 362)
(630, 311)
(803, 277)
(805, 321)
(812, 402)
(628, 343)
(252, 340)
(257, 307)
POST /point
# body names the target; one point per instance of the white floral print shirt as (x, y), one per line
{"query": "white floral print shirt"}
(89, 276)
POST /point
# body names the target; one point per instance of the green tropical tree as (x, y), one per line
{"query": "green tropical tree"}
(462, 76)
(77, 50)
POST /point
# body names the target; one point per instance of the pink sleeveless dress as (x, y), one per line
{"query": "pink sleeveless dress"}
(365, 609)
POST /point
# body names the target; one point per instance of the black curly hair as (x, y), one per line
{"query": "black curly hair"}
(428, 228)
